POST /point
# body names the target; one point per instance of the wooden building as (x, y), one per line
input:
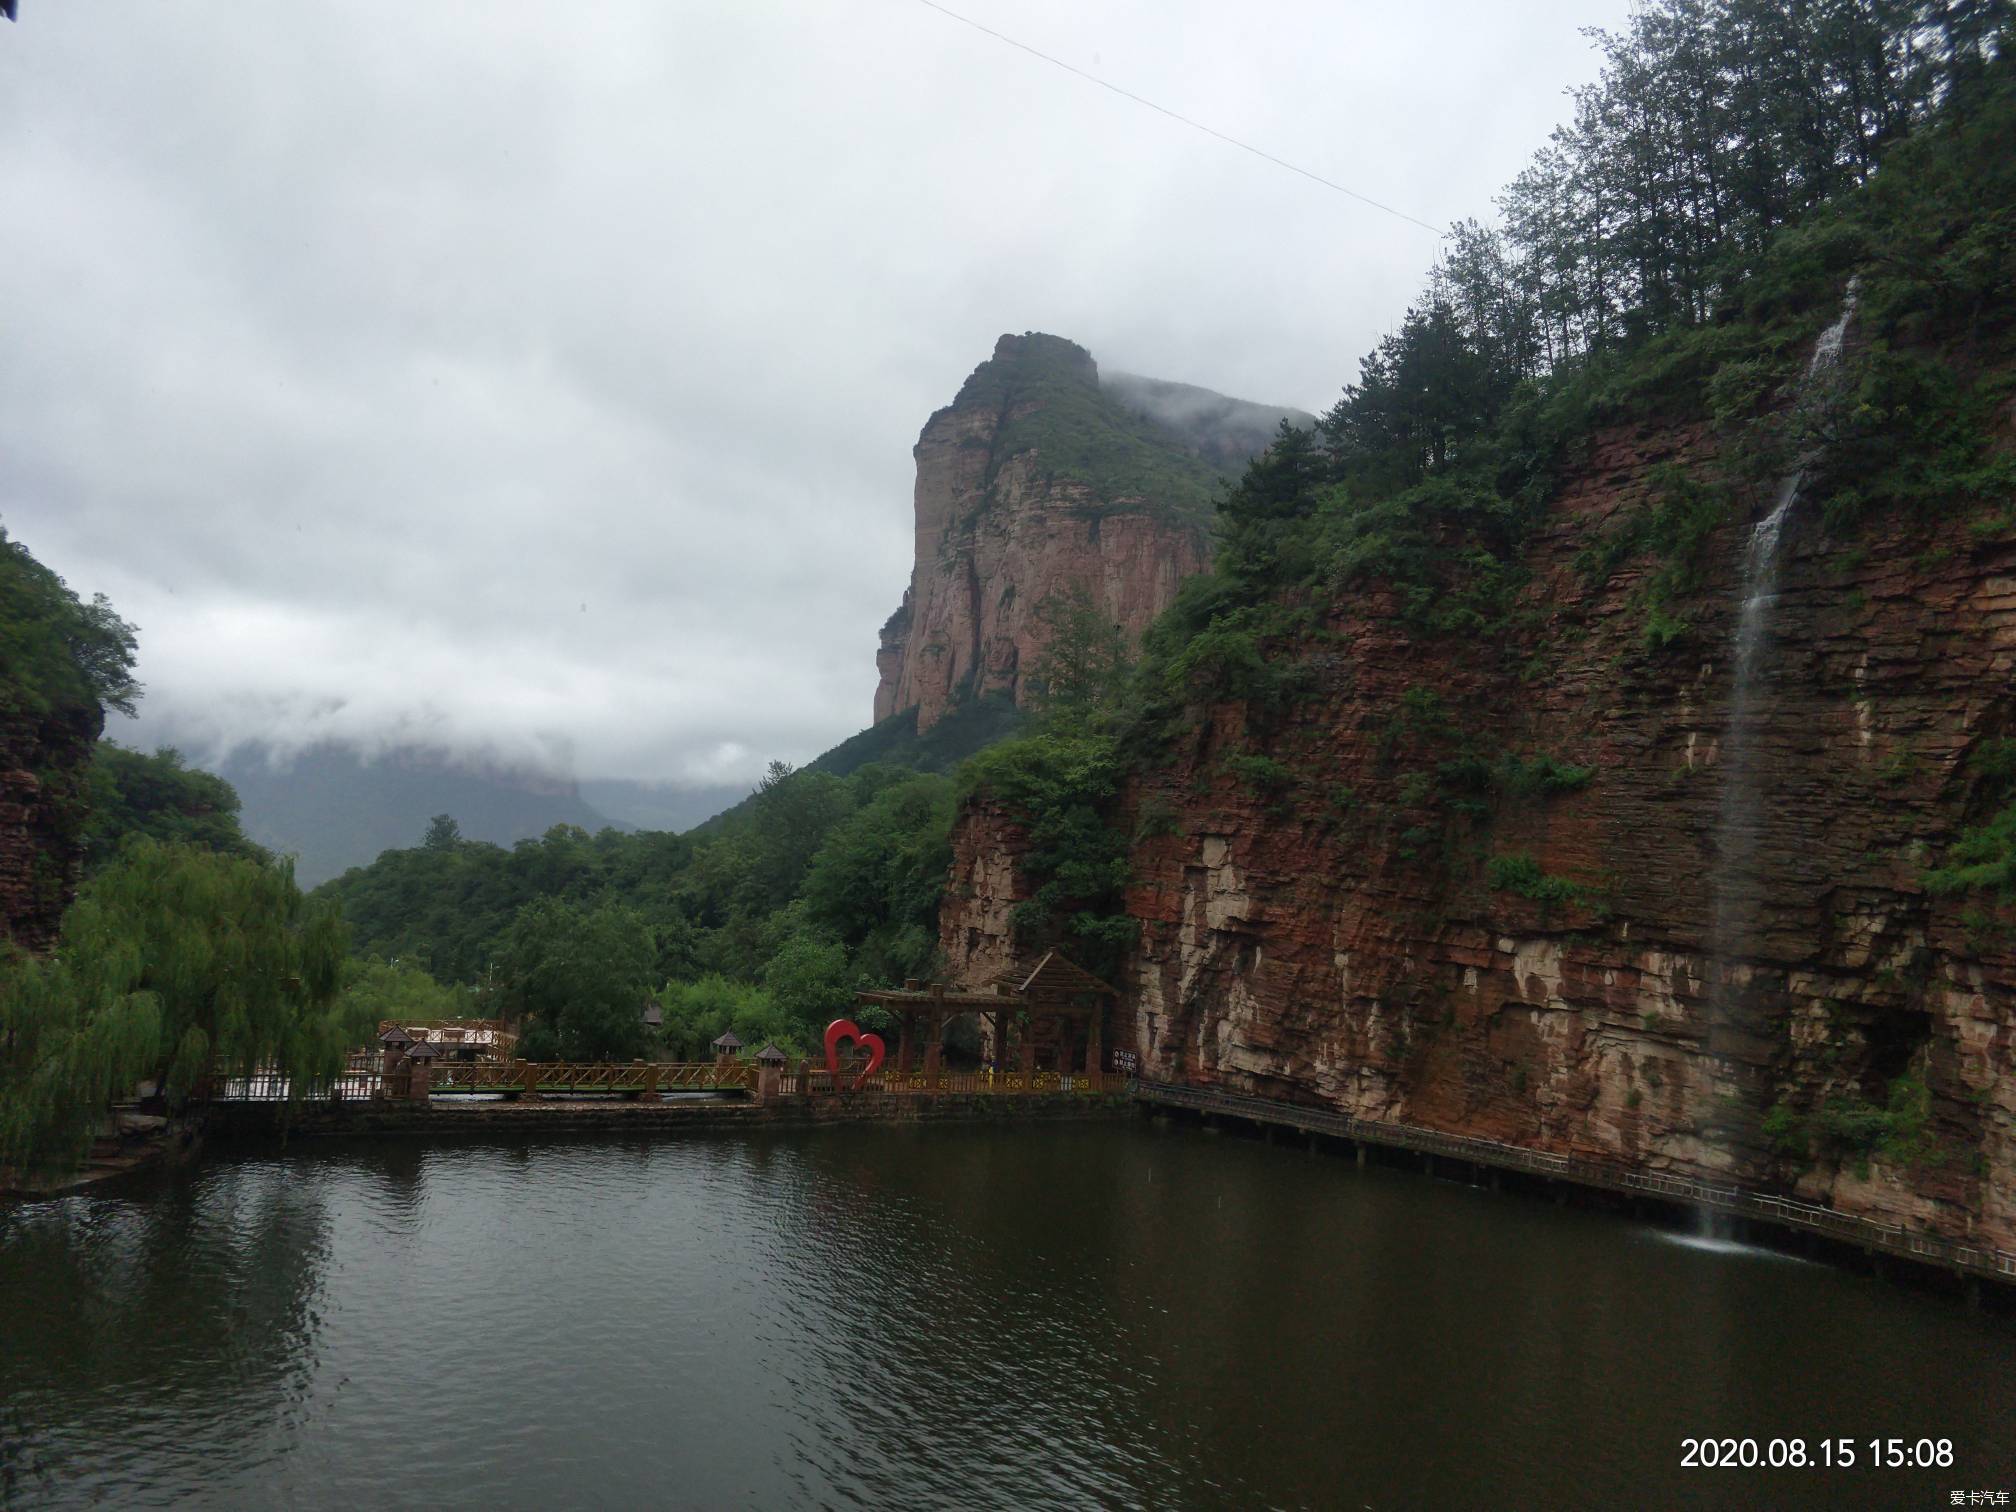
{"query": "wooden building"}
(1050, 1017)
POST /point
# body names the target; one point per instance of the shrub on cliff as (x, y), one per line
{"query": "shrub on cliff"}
(1983, 858)
(1064, 789)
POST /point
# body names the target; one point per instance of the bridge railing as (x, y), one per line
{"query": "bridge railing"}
(639, 1077)
(811, 1081)
(1738, 1201)
(275, 1086)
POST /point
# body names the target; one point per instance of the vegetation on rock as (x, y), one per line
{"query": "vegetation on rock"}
(1047, 390)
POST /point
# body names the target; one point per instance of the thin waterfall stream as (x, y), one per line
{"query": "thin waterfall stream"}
(1735, 884)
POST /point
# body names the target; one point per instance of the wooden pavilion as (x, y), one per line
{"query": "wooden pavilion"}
(1056, 1010)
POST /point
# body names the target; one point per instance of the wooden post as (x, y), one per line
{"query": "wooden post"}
(531, 1077)
(906, 1048)
(1000, 1056)
(934, 1052)
(651, 1082)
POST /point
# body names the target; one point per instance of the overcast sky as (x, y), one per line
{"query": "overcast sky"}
(541, 379)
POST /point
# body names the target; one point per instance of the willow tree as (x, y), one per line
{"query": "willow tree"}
(174, 963)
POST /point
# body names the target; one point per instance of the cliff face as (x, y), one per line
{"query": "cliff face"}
(44, 766)
(1336, 938)
(1037, 481)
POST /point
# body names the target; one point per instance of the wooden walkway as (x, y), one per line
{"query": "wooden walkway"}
(1865, 1233)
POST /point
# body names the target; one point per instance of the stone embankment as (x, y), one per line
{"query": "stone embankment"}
(460, 1116)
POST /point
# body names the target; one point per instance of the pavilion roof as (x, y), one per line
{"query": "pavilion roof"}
(1054, 981)
(1056, 973)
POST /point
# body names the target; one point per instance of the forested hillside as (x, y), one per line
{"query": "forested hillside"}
(1668, 259)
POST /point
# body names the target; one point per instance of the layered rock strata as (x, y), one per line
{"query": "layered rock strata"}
(1340, 941)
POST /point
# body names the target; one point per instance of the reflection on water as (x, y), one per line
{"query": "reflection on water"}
(933, 1317)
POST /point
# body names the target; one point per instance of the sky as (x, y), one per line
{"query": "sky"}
(539, 381)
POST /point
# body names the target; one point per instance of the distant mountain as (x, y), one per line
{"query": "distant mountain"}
(660, 805)
(334, 808)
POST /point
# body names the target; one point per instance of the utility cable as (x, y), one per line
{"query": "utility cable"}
(1129, 94)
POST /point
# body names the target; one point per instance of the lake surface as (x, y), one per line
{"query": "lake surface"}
(1043, 1316)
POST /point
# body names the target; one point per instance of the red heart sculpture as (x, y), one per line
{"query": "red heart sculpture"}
(845, 1029)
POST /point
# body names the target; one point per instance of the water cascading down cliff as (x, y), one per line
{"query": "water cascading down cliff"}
(1714, 953)
(1735, 881)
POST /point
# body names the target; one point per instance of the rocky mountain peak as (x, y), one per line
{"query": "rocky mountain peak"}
(1039, 479)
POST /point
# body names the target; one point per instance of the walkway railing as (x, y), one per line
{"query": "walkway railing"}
(457, 1077)
(649, 1078)
(273, 1086)
(641, 1078)
(819, 1082)
(1890, 1238)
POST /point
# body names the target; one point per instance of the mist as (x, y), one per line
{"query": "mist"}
(541, 385)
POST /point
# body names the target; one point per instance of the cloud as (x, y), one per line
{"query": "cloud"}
(543, 382)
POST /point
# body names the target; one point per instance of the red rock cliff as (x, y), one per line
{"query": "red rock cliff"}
(1339, 941)
(1036, 481)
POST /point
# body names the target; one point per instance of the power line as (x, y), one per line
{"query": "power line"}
(1174, 116)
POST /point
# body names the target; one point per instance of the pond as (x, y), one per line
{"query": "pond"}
(1105, 1314)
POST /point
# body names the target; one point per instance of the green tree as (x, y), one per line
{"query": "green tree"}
(399, 992)
(697, 1012)
(577, 975)
(876, 882)
(137, 793)
(1065, 790)
(789, 817)
(811, 983)
(175, 962)
(1079, 681)
(56, 652)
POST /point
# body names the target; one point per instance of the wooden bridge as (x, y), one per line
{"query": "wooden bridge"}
(649, 1079)
(605, 1078)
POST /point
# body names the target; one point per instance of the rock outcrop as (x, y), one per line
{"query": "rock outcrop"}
(1339, 940)
(1036, 481)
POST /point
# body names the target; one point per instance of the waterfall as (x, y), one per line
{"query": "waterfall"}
(1734, 881)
